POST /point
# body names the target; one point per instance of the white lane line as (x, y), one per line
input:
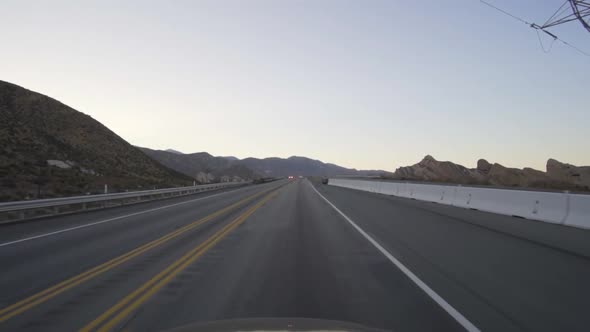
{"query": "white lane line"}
(437, 298)
(111, 219)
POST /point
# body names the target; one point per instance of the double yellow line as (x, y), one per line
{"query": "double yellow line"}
(113, 316)
(45, 295)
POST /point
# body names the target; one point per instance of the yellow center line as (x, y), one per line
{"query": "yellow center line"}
(27, 303)
(148, 289)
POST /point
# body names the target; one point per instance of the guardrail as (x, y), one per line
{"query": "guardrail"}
(553, 207)
(20, 210)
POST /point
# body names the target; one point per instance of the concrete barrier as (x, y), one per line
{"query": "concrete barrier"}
(449, 194)
(543, 206)
(389, 188)
(335, 182)
(579, 211)
(407, 190)
(559, 208)
(404, 190)
(429, 193)
(462, 197)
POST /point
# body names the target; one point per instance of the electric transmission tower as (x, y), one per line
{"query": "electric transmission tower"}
(570, 10)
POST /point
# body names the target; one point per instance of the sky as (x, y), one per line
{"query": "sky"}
(363, 84)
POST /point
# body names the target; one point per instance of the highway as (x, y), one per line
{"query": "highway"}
(293, 249)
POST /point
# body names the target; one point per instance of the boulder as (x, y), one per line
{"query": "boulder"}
(203, 177)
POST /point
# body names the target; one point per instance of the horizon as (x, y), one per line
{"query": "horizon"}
(364, 86)
(172, 150)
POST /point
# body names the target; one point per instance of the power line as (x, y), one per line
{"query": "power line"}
(505, 12)
(572, 46)
(541, 43)
(540, 28)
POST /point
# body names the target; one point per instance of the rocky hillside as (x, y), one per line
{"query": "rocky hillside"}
(430, 169)
(48, 149)
(202, 166)
(558, 175)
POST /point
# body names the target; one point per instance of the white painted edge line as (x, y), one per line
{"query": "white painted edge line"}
(437, 298)
(112, 219)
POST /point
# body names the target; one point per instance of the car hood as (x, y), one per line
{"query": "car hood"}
(275, 325)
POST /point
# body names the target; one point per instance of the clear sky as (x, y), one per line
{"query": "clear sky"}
(364, 84)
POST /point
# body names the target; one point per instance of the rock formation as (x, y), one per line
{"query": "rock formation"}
(559, 176)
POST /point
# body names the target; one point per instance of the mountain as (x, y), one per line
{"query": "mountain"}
(202, 166)
(50, 149)
(275, 167)
(207, 168)
(558, 175)
(173, 151)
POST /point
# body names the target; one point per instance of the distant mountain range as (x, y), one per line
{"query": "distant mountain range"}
(50, 149)
(202, 166)
(302, 166)
(206, 167)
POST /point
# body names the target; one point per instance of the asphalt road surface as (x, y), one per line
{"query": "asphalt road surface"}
(293, 249)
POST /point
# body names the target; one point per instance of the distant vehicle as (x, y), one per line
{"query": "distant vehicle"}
(325, 181)
(301, 176)
(290, 177)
